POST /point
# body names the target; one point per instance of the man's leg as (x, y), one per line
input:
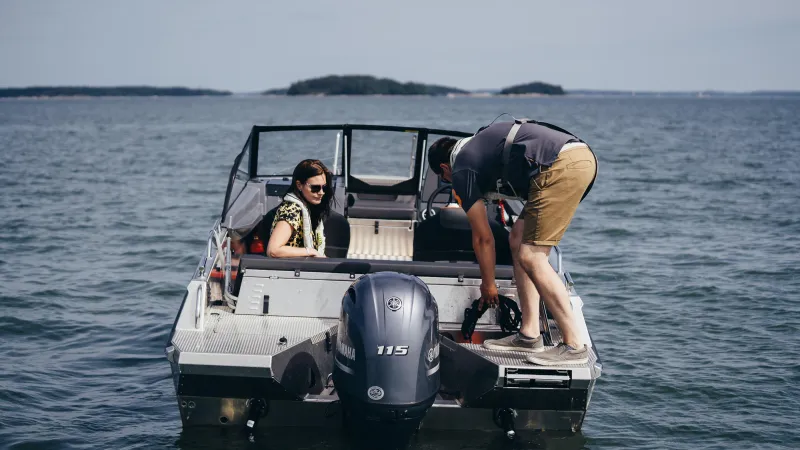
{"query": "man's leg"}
(528, 295)
(534, 262)
(553, 196)
(529, 338)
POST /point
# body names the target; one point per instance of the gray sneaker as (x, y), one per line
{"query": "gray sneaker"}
(560, 355)
(515, 343)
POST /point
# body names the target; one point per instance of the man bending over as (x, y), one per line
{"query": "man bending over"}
(551, 170)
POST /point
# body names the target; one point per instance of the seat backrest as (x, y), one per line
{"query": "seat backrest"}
(337, 236)
(381, 206)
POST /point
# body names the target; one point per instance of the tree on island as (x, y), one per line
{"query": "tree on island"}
(537, 87)
(362, 85)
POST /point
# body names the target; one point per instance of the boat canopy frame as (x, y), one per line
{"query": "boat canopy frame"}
(411, 186)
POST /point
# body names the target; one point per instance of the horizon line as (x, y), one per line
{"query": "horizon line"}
(469, 91)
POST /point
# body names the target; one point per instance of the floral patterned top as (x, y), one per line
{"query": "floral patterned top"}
(293, 215)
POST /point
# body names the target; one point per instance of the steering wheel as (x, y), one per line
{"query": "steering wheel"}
(429, 212)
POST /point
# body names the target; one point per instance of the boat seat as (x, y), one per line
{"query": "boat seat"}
(447, 236)
(381, 206)
(337, 233)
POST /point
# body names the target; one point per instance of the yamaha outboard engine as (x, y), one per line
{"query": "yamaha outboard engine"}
(386, 369)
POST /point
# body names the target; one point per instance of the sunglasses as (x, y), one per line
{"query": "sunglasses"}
(315, 188)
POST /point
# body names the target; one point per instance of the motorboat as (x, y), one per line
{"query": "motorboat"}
(381, 336)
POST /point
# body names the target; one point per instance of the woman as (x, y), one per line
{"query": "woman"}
(297, 229)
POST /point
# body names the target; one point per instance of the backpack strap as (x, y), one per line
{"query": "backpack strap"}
(510, 141)
(557, 128)
(589, 188)
(512, 133)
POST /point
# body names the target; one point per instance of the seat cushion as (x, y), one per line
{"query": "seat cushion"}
(375, 206)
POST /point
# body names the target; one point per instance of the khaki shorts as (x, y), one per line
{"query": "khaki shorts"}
(554, 194)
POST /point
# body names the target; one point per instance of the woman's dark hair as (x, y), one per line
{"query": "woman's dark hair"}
(439, 153)
(309, 168)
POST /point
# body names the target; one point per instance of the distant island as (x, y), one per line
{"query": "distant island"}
(369, 85)
(537, 87)
(361, 85)
(113, 91)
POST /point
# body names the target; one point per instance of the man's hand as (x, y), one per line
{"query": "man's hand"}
(489, 295)
(483, 243)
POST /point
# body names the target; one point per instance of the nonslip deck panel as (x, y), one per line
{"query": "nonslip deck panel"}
(338, 265)
(227, 333)
(517, 359)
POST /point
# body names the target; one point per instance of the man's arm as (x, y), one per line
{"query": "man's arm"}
(483, 244)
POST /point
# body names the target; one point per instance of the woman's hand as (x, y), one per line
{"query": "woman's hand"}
(313, 252)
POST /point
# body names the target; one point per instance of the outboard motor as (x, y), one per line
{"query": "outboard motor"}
(386, 369)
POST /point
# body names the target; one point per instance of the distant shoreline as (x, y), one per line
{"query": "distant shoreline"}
(83, 93)
(107, 91)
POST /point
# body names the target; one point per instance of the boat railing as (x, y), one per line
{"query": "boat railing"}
(199, 306)
(209, 245)
(336, 152)
(558, 260)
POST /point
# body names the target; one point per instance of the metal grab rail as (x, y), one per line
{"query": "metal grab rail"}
(559, 266)
(224, 257)
(413, 156)
(569, 282)
(228, 265)
(199, 306)
(336, 153)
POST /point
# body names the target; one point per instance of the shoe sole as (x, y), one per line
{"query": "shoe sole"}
(550, 362)
(513, 349)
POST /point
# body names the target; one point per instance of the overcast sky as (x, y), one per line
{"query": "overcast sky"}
(253, 45)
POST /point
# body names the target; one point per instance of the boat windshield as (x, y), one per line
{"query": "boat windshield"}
(239, 176)
(383, 155)
(280, 152)
(373, 159)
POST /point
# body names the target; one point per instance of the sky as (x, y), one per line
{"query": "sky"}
(252, 45)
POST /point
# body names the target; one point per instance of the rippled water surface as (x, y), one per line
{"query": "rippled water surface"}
(686, 254)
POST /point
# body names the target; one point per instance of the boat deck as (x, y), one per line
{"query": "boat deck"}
(227, 333)
(231, 334)
(517, 359)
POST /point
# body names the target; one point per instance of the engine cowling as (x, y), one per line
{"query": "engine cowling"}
(386, 369)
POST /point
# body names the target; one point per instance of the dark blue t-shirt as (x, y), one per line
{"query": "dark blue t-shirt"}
(479, 163)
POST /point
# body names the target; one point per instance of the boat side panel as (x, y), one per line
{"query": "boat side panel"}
(319, 294)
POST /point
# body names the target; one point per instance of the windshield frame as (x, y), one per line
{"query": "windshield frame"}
(352, 184)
